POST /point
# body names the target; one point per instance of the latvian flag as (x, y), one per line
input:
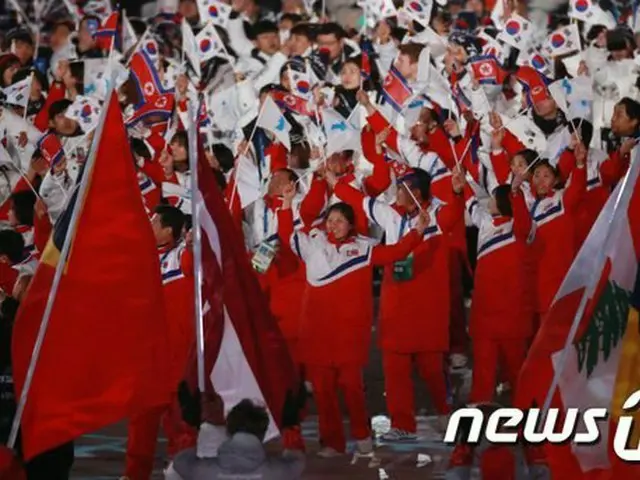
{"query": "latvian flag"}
(486, 70)
(245, 354)
(396, 89)
(107, 33)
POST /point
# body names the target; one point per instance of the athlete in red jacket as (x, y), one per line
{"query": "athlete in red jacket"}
(337, 314)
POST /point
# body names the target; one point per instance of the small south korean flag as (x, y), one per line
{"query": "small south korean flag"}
(272, 119)
(212, 11)
(209, 43)
(85, 111)
(563, 41)
(150, 46)
(300, 83)
(18, 93)
(581, 10)
(517, 32)
(533, 58)
(419, 10)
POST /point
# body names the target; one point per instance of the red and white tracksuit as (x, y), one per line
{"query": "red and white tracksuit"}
(501, 318)
(437, 159)
(334, 337)
(415, 313)
(176, 264)
(554, 245)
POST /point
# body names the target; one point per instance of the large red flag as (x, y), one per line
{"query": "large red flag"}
(104, 355)
(245, 353)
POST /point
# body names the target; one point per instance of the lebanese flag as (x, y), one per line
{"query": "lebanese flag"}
(396, 89)
(107, 33)
(245, 353)
(601, 369)
(105, 352)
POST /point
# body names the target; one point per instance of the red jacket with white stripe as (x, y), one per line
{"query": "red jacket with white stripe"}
(176, 267)
(554, 245)
(502, 306)
(337, 305)
(404, 326)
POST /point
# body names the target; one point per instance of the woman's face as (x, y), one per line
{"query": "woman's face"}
(178, 152)
(518, 165)
(543, 180)
(383, 32)
(350, 76)
(338, 225)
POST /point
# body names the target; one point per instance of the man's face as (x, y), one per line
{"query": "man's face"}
(268, 43)
(621, 124)
(24, 51)
(188, 9)
(298, 45)
(331, 44)
(64, 125)
(406, 68)
(59, 37)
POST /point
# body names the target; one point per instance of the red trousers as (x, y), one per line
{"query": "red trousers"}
(143, 437)
(326, 382)
(488, 355)
(397, 368)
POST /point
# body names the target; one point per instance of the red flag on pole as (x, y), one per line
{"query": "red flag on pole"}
(104, 353)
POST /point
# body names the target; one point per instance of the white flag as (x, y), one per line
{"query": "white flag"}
(190, 47)
(209, 43)
(129, 37)
(85, 111)
(341, 135)
(18, 93)
(517, 32)
(563, 41)
(590, 13)
(419, 10)
(212, 11)
(272, 119)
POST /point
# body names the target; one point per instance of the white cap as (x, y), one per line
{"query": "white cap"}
(210, 437)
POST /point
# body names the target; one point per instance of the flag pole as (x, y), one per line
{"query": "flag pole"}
(591, 287)
(197, 241)
(55, 284)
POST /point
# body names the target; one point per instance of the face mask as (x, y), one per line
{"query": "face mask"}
(284, 35)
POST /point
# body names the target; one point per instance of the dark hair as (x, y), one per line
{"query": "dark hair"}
(302, 29)
(63, 23)
(292, 17)
(528, 155)
(584, 129)
(76, 69)
(11, 245)
(263, 26)
(172, 217)
(420, 180)
(502, 194)
(543, 162)
(22, 204)
(594, 31)
(24, 73)
(345, 210)
(301, 150)
(139, 148)
(247, 417)
(293, 176)
(411, 50)
(224, 156)
(332, 28)
(631, 107)
(620, 39)
(58, 107)
(181, 138)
